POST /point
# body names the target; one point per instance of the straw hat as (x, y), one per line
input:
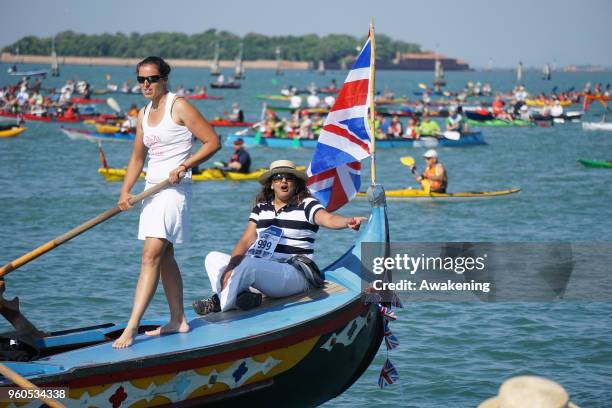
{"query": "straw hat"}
(529, 391)
(282, 166)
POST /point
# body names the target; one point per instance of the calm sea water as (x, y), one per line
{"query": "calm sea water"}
(451, 354)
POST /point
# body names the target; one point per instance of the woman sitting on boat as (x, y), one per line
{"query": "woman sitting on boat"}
(275, 251)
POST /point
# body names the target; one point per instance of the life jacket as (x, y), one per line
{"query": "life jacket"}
(434, 185)
(498, 107)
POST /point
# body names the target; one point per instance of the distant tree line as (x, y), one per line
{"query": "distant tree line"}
(330, 48)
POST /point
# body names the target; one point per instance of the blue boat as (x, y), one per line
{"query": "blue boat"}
(466, 139)
(80, 134)
(302, 350)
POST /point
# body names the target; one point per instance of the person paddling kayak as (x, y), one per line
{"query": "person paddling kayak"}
(434, 175)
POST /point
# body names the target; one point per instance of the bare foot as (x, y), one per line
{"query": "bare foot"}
(170, 327)
(126, 339)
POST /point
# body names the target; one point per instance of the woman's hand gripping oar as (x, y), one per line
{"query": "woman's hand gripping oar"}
(54, 243)
(409, 161)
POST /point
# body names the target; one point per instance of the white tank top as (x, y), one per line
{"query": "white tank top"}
(169, 144)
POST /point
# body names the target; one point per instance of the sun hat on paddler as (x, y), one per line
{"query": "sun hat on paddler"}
(430, 153)
(529, 391)
(282, 166)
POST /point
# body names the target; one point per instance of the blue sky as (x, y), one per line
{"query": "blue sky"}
(560, 31)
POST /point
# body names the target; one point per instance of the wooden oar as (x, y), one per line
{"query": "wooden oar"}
(27, 385)
(54, 243)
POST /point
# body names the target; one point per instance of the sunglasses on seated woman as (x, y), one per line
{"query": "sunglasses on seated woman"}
(152, 79)
(280, 176)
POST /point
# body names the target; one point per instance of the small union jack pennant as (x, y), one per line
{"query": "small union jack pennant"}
(390, 340)
(387, 312)
(388, 375)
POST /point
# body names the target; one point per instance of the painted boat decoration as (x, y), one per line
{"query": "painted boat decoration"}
(410, 194)
(303, 350)
(466, 139)
(12, 132)
(211, 174)
(80, 134)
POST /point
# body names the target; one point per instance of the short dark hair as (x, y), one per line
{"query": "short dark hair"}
(162, 66)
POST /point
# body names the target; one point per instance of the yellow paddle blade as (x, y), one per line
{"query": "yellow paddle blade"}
(407, 161)
(426, 185)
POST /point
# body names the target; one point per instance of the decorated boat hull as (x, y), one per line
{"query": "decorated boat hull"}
(302, 350)
(466, 139)
(597, 125)
(596, 163)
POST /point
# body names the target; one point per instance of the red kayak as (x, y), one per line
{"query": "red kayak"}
(85, 100)
(230, 123)
(329, 90)
(203, 96)
(71, 119)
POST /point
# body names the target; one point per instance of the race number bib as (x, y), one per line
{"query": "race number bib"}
(266, 242)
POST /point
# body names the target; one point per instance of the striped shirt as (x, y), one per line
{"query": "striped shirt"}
(297, 223)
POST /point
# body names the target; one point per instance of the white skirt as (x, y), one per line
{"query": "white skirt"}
(166, 214)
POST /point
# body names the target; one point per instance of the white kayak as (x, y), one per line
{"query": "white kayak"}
(597, 125)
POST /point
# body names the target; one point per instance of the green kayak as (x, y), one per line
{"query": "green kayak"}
(500, 123)
(596, 163)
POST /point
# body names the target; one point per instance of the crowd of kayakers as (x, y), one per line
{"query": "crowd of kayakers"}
(27, 97)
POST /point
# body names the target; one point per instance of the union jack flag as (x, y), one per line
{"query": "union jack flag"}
(387, 312)
(335, 169)
(390, 340)
(388, 375)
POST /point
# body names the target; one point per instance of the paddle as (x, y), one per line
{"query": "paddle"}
(262, 117)
(57, 241)
(27, 385)
(113, 104)
(409, 161)
(422, 85)
(451, 135)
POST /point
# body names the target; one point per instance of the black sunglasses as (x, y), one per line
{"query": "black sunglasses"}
(152, 79)
(280, 176)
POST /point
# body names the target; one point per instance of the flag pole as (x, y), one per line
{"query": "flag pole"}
(372, 104)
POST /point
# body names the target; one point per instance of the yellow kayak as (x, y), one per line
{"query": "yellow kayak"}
(11, 132)
(107, 128)
(537, 102)
(411, 194)
(111, 174)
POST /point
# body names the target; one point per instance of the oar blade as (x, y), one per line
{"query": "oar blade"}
(451, 135)
(113, 104)
(407, 161)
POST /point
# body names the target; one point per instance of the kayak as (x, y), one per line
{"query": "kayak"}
(79, 134)
(203, 96)
(537, 102)
(597, 125)
(229, 123)
(225, 86)
(500, 123)
(273, 97)
(411, 194)
(115, 174)
(11, 132)
(466, 139)
(88, 100)
(290, 109)
(38, 118)
(596, 163)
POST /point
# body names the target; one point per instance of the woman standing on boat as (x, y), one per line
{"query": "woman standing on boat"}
(274, 253)
(165, 130)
